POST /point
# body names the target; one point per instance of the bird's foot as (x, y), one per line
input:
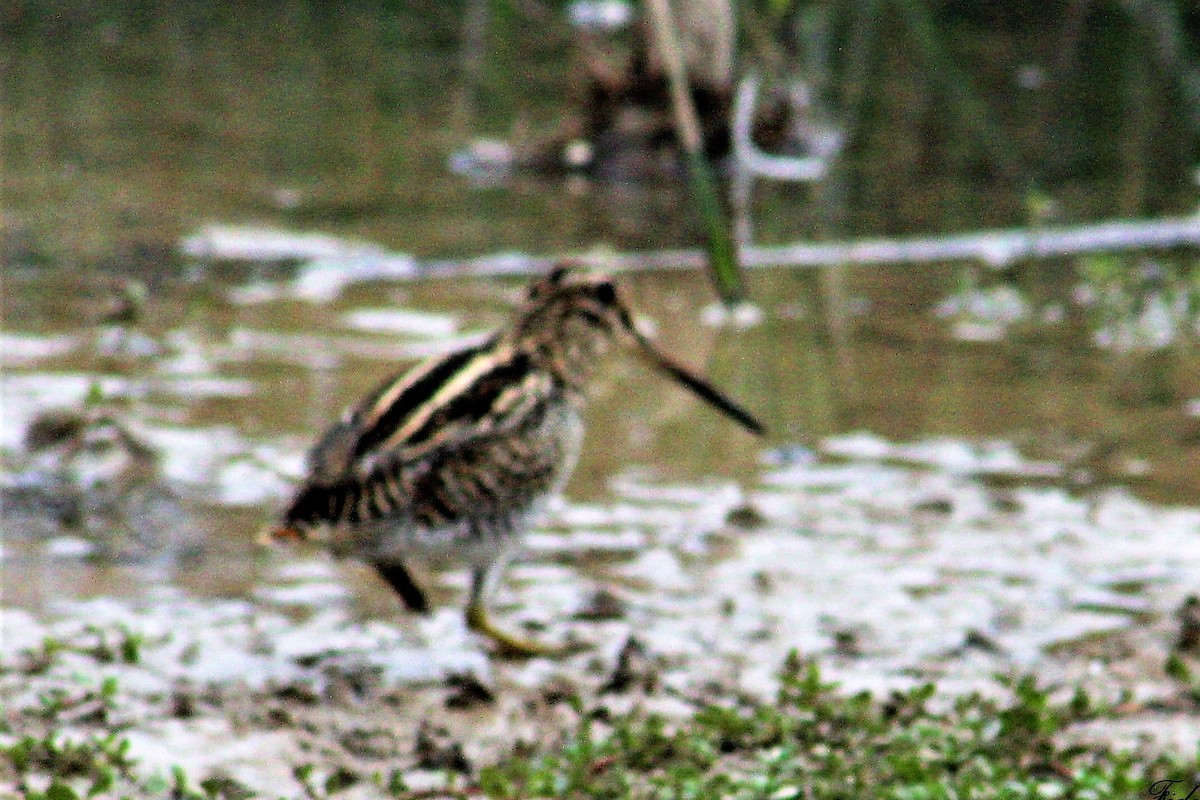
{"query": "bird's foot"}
(509, 646)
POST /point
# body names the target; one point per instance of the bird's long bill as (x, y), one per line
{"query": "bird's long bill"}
(702, 388)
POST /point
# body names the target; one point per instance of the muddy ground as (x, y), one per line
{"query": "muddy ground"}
(891, 565)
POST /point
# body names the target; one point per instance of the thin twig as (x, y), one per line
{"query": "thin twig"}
(996, 247)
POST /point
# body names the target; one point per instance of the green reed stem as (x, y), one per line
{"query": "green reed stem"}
(722, 254)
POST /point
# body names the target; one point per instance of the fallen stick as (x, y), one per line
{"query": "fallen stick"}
(996, 248)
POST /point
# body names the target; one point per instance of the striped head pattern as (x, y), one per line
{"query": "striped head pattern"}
(569, 319)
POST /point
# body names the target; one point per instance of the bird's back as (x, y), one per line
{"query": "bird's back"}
(460, 448)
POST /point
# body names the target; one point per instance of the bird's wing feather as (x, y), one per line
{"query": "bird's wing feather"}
(456, 440)
(488, 395)
(366, 426)
(489, 467)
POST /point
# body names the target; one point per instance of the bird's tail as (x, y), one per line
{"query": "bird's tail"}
(282, 534)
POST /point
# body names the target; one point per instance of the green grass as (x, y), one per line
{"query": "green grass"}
(811, 741)
(816, 743)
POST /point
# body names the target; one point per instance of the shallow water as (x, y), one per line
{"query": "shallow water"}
(230, 394)
(949, 488)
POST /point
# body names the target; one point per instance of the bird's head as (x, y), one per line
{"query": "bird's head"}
(570, 317)
(573, 309)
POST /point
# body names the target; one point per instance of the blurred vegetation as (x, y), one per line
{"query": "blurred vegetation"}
(1040, 99)
(955, 111)
(809, 741)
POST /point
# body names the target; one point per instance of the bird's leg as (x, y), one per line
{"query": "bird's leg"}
(398, 577)
(483, 580)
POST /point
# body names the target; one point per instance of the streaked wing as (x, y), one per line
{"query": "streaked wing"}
(490, 410)
(339, 452)
(438, 445)
(487, 394)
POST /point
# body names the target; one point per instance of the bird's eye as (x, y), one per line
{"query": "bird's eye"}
(606, 293)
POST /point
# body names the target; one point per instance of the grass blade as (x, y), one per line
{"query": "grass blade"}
(722, 254)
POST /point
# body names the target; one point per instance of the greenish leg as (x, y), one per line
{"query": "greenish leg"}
(507, 645)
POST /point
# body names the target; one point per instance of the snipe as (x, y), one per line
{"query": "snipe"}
(453, 460)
